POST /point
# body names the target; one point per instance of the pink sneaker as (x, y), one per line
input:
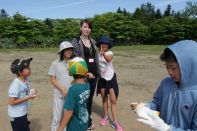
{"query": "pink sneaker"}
(104, 121)
(117, 126)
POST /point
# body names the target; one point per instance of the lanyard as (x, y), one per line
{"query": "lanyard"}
(90, 48)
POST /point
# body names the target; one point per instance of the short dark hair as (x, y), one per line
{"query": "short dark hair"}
(168, 55)
(18, 65)
(87, 21)
(78, 76)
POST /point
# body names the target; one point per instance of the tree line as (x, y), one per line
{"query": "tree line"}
(146, 25)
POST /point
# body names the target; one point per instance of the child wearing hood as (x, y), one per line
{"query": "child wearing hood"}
(176, 97)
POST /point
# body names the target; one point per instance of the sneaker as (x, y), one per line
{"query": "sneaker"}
(117, 126)
(91, 128)
(104, 121)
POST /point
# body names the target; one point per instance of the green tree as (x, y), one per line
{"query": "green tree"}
(166, 30)
(66, 29)
(158, 14)
(167, 12)
(190, 10)
(49, 23)
(190, 28)
(119, 10)
(3, 14)
(39, 31)
(20, 30)
(138, 14)
(7, 43)
(148, 13)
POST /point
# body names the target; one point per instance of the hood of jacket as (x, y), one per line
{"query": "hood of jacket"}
(186, 55)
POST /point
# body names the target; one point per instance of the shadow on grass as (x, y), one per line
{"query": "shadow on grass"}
(35, 125)
(97, 109)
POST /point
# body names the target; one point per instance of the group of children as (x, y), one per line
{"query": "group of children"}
(175, 99)
(71, 90)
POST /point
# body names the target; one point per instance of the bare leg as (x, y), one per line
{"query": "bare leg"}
(113, 104)
(105, 102)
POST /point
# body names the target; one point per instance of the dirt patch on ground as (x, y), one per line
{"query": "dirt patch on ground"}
(138, 77)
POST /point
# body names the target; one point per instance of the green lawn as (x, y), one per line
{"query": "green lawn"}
(141, 48)
(130, 49)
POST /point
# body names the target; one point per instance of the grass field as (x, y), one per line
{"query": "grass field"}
(146, 48)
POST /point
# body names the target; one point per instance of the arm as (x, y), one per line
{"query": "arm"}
(154, 104)
(76, 49)
(107, 55)
(89, 75)
(14, 101)
(69, 105)
(66, 118)
(58, 85)
(108, 58)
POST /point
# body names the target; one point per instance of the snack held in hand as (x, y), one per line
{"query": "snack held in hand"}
(145, 112)
(32, 92)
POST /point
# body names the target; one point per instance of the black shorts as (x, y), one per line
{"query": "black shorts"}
(102, 83)
(20, 123)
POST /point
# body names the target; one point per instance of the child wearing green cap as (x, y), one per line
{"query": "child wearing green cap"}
(76, 115)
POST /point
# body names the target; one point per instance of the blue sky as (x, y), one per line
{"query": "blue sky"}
(41, 9)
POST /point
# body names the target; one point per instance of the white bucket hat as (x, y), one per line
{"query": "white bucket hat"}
(65, 45)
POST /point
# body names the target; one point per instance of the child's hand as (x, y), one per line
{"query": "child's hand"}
(134, 105)
(64, 91)
(102, 52)
(32, 96)
(90, 75)
(32, 93)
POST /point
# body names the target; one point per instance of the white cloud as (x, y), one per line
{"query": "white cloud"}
(57, 6)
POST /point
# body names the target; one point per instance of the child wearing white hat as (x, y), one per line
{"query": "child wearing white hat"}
(61, 80)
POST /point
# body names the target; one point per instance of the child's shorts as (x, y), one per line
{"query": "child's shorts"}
(20, 123)
(102, 83)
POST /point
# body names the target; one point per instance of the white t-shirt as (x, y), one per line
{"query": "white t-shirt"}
(59, 69)
(106, 68)
(18, 89)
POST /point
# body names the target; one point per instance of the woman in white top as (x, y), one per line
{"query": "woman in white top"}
(107, 84)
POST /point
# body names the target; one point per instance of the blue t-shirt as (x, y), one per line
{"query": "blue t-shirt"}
(76, 101)
(18, 89)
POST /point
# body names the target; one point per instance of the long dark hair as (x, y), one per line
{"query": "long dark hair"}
(87, 21)
(62, 55)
